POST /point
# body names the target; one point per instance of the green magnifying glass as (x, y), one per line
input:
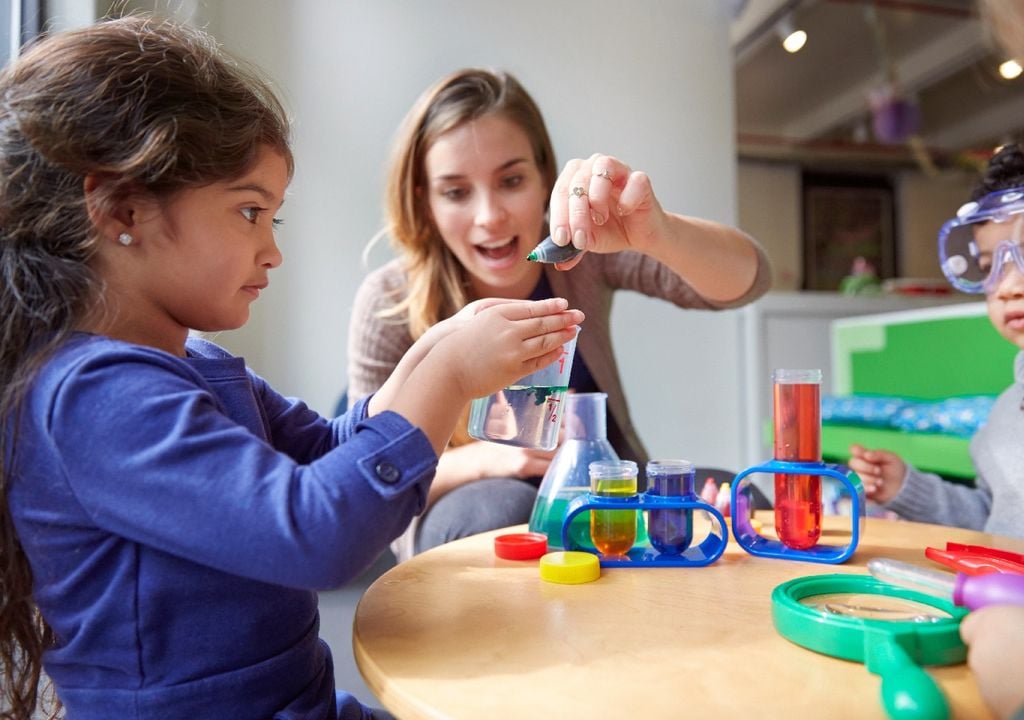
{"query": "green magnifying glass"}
(893, 631)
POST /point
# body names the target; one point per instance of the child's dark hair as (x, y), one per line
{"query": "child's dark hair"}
(1005, 170)
(151, 108)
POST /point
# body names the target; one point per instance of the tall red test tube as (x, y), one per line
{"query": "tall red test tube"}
(797, 420)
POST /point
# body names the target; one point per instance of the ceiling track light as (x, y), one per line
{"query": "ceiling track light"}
(792, 39)
(1010, 69)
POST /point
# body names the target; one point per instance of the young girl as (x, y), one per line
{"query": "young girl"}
(167, 516)
(471, 180)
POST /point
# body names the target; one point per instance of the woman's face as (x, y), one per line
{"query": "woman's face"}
(486, 197)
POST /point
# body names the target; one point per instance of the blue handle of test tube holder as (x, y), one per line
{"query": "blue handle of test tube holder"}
(755, 544)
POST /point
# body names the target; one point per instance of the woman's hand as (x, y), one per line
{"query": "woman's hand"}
(478, 460)
(602, 205)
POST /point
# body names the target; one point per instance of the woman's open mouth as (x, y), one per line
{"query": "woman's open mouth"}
(502, 252)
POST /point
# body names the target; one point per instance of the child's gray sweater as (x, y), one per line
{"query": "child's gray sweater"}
(996, 503)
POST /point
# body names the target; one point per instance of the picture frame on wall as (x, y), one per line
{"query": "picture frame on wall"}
(845, 218)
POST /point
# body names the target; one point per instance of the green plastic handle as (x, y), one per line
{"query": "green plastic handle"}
(908, 692)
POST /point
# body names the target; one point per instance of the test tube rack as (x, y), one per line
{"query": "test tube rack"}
(756, 544)
(642, 555)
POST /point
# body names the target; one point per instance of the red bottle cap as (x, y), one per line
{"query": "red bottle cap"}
(521, 546)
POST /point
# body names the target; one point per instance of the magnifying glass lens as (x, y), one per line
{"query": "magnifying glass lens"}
(872, 606)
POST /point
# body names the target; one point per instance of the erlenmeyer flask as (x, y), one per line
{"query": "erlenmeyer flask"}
(586, 440)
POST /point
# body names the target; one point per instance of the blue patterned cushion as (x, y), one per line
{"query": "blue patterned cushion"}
(874, 410)
(954, 416)
(961, 416)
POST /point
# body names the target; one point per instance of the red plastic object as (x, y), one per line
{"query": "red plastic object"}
(977, 559)
(521, 546)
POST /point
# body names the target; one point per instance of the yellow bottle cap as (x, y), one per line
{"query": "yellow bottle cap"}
(570, 568)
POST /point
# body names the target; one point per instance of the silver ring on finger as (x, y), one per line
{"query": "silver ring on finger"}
(578, 191)
(604, 174)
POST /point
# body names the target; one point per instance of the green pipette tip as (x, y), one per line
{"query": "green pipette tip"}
(532, 256)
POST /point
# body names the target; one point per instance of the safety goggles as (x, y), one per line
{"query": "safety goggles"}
(977, 245)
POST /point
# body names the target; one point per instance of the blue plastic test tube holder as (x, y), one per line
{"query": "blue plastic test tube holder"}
(756, 544)
(705, 553)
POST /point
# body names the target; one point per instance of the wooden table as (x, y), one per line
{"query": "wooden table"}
(458, 633)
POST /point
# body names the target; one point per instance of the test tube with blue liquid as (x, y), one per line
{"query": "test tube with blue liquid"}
(670, 531)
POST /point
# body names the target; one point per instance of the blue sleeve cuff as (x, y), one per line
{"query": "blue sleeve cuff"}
(402, 458)
(347, 424)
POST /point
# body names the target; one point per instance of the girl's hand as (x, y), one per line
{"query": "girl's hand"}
(881, 471)
(602, 205)
(498, 344)
(449, 325)
(504, 341)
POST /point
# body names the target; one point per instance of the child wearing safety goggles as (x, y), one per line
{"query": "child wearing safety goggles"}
(980, 252)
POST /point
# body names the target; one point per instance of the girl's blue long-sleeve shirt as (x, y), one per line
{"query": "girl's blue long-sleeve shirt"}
(178, 516)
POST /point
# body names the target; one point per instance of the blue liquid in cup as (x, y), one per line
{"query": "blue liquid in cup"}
(670, 531)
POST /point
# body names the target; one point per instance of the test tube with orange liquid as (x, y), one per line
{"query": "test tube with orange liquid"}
(613, 532)
(797, 420)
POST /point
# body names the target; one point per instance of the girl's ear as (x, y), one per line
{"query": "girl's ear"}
(110, 215)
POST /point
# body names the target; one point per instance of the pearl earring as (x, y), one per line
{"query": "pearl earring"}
(125, 239)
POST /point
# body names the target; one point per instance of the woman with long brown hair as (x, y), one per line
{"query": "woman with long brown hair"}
(472, 178)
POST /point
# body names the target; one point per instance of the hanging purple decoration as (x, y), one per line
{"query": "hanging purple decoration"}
(895, 117)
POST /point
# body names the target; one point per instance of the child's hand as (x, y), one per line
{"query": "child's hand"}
(881, 471)
(502, 342)
(480, 350)
(995, 636)
(443, 328)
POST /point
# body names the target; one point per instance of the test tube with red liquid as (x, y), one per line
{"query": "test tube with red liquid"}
(797, 420)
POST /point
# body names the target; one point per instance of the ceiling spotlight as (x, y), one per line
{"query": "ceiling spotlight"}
(1010, 69)
(792, 39)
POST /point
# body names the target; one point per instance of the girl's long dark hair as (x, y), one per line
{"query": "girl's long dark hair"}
(151, 107)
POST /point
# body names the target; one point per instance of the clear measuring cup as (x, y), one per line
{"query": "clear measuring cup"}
(527, 413)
